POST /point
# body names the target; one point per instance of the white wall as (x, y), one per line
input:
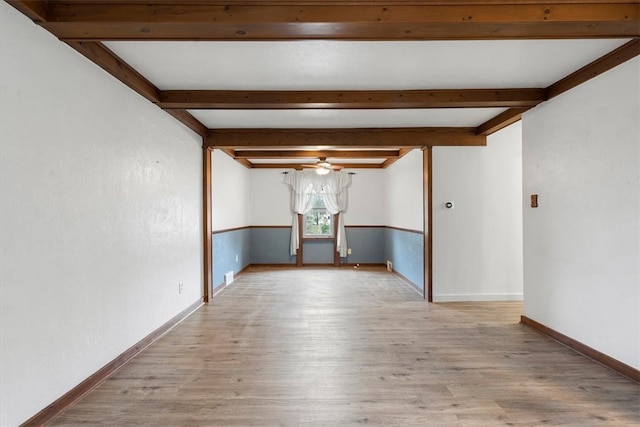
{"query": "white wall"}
(581, 246)
(366, 198)
(100, 218)
(405, 193)
(230, 192)
(477, 245)
(270, 198)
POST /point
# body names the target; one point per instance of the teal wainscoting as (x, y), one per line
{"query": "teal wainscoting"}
(270, 245)
(367, 245)
(317, 251)
(227, 245)
(235, 249)
(405, 249)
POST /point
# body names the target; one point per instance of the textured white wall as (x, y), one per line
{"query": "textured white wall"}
(270, 198)
(581, 246)
(404, 180)
(366, 198)
(100, 218)
(230, 192)
(477, 245)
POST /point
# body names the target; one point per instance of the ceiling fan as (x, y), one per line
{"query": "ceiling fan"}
(323, 167)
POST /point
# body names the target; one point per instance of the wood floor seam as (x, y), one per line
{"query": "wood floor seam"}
(342, 347)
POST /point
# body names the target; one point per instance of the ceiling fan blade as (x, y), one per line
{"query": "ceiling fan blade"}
(323, 164)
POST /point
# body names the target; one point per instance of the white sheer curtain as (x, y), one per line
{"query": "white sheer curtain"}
(333, 189)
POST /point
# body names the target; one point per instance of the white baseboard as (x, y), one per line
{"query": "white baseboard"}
(476, 297)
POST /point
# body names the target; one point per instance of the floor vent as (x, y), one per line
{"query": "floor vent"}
(228, 278)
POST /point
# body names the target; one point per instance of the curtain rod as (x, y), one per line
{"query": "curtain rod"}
(350, 173)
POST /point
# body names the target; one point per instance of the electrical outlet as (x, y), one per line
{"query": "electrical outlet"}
(180, 287)
(236, 257)
(348, 251)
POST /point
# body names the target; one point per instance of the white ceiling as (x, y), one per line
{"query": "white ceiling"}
(313, 160)
(300, 119)
(352, 65)
(356, 65)
(457, 46)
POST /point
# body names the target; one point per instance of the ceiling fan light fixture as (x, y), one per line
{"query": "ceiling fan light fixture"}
(321, 170)
(322, 166)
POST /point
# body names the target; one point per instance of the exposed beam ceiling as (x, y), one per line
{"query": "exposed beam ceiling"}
(597, 67)
(189, 121)
(282, 159)
(330, 139)
(108, 61)
(300, 166)
(83, 25)
(500, 121)
(345, 154)
(333, 19)
(383, 99)
(613, 59)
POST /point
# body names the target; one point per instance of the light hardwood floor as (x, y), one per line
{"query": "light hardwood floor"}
(336, 347)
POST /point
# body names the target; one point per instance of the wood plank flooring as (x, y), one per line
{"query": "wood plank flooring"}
(334, 347)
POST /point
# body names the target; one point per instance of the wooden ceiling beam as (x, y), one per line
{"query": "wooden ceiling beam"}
(500, 121)
(273, 154)
(118, 68)
(375, 99)
(392, 160)
(328, 139)
(300, 166)
(607, 62)
(36, 10)
(342, 20)
(244, 162)
(189, 121)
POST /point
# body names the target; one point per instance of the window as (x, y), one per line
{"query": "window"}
(318, 222)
